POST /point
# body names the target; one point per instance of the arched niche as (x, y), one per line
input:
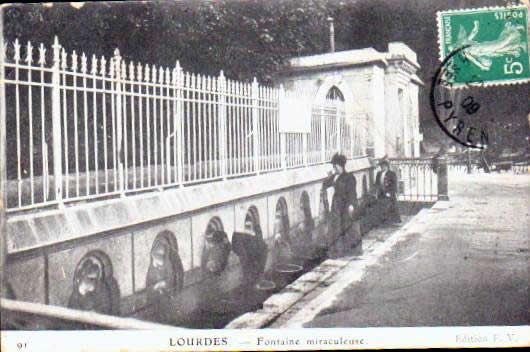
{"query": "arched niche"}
(94, 287)
(216, 248)
(165, 274)
(303, 233)
(281, 219)
(250, 247)
(252, 222)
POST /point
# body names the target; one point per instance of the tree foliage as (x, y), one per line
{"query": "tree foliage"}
(244, 38)
(251, 38)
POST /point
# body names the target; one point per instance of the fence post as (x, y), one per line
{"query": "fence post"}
(119, 122)
(255, 125)
(3, 159)
(304, 149)
(283, 136)
(352, 136)
(322, 134)
(338, 121)
(221, 86)
(443, 182)
(56, 124)
(179, 126)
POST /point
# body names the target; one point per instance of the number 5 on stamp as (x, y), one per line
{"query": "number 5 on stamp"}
(494, 43)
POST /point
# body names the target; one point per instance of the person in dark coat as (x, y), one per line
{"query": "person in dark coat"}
(386, 188)
(343, 203)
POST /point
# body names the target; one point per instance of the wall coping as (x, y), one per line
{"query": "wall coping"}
(48, 227)
(338, 59)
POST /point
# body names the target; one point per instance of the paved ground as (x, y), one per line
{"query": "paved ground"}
(466, 266)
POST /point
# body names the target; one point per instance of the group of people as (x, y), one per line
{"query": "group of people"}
(345, 212)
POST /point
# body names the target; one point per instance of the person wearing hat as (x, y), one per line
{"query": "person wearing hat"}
(344, 201)
(386, 187)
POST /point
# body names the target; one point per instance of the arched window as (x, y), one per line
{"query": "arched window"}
(334, 93)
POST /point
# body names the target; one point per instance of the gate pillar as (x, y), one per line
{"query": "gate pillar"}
(443, 184)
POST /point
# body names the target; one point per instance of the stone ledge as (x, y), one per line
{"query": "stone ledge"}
(48, 227)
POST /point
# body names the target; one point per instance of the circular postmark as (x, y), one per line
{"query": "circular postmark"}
(457, 107)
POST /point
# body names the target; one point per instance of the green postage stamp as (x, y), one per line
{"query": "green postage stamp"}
(491, 45)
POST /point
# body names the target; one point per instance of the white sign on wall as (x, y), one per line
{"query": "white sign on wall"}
(295, 113)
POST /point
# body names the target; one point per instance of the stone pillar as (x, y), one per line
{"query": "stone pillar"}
(443, 182)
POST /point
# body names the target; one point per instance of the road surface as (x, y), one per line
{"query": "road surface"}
(468, 268)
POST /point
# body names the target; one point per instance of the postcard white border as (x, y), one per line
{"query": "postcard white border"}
(265, 340)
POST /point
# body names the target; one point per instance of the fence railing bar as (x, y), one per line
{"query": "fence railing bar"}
(76, 133)
(44, 148)
(30, 117)
(65, 129)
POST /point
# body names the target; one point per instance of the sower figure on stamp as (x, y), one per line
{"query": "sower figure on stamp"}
(341, 222)
(386, 188)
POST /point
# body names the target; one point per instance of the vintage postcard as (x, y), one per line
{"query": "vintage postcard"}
(264, 175)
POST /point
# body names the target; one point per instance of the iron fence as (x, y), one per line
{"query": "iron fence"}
(82, 128)
(417, 179)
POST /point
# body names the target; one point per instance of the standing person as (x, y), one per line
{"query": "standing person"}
(386, 188)
(341, 226)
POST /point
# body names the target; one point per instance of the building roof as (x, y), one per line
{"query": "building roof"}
(396, 51)
(338, 59)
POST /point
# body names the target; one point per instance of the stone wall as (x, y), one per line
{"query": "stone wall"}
(43, 256)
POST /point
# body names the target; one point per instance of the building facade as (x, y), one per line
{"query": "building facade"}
(379, 91)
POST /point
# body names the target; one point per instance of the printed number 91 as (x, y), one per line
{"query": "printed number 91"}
(514, 67)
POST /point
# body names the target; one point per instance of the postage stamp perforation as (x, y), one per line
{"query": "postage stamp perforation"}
(459, 86)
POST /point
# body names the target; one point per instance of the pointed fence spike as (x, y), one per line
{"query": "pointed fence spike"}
(123, 70)
(29, 53)
(74, 61)
(4, 49)
(42, 54)
(131, 71)
(56, 50)
(161, 75)
(111, 67)
(63, 59)
(153, 76)
(147, 76)
(103, 65)
(16, 46)
(94, 65)
(139, 72)
(83, 63)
